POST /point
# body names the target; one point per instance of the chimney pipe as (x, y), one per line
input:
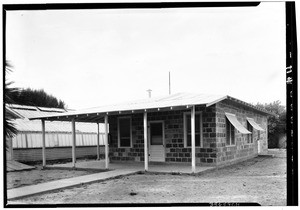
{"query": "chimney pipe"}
(149, 92)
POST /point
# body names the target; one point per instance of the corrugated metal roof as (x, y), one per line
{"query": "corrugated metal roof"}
(17, 106)
(46, 109)
(180, 99)
(32, 111)
(14, 114)
(174, 100)
(26, 112)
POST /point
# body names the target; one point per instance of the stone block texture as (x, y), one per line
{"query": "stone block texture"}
(242, 149)
(214, 150)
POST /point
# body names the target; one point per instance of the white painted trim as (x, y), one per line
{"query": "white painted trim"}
(43, 143)
(185, 127)
(145, 142)
(125, 117)
(163, 130)
(98, 142)
(106, 142)
(193, 116)
(216, 101)
(73, 143)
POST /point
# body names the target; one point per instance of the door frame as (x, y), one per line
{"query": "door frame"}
(163, 135)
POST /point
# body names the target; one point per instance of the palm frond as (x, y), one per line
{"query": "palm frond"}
(9, 127)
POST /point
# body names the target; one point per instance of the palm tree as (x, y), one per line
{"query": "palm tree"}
(9, 127)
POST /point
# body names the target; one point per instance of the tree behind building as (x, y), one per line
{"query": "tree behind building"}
(276, 125)
(32, 97)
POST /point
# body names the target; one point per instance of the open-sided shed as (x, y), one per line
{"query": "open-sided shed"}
(199, 129)
(26, 145)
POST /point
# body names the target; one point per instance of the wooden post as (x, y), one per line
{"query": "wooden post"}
(193, 139)
(73, 143)
(145, 142)
(43, 143)
(106, 142)
(98, 140)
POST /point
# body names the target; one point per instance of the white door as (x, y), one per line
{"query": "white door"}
(156, 143)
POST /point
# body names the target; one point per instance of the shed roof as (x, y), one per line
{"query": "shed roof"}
(25, 125)
(174, 101)
(33, 111)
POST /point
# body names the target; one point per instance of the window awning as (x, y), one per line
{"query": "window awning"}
(234, 121)
(254, 124)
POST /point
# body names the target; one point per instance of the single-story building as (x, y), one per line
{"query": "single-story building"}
(26, 145)
(196, 129)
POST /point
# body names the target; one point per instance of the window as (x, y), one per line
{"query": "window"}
(253, 124)
(230, 139)
(232, 123)
(124, 132)
(188, 130)
(250, 136)
(156, 133)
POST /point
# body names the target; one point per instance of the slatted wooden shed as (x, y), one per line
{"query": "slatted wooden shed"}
(27, 143)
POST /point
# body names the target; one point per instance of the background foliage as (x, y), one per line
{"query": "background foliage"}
(34, 97)
(276, 125)
(28, 96)
(9, 126)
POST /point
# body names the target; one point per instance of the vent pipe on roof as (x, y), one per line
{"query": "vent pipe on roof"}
(149, 92)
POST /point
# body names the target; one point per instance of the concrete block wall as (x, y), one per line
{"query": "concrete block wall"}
(136, 152)
(208, 154)
(174, 137)
(242, 149)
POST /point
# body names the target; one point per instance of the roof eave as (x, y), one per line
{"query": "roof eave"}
(216, 101)
(69, 116)
(17, 115)
(251, 106)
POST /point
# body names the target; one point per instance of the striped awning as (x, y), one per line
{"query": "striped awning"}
(254, 124)
(234, 121)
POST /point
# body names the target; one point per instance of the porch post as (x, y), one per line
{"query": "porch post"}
(193, 139)
(145, 142)
(73, 143)
(43, 143)
(98, 152)
(106, 142)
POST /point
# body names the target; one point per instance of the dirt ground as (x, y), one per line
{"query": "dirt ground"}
(24, 178)
(261, 180)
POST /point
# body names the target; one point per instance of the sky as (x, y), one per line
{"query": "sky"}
(89, 58)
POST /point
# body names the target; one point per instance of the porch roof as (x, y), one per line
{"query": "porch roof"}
(170, 102)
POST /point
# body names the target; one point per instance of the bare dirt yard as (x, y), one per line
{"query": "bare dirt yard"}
(24, 178)
(261, 180)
